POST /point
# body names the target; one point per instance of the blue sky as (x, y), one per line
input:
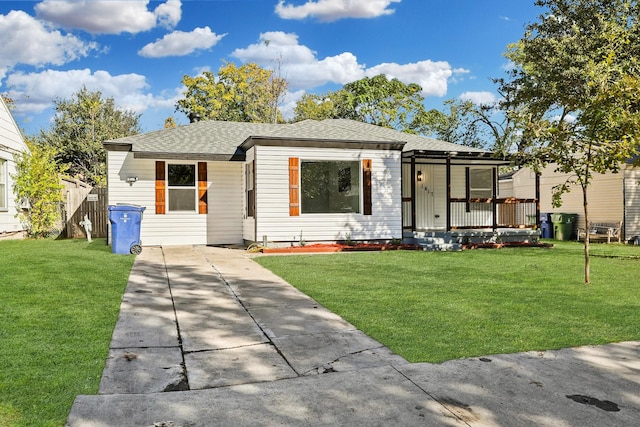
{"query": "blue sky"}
(137, 51)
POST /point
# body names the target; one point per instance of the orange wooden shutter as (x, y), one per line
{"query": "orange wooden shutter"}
(366, 186)
(202, 187)
(160, 189)
(294, 193)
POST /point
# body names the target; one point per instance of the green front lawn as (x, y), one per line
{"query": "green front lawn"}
(59, 302)
(436, 306)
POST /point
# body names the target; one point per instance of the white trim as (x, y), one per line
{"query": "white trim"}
(360, 186)
(183, 187)
(4, 182)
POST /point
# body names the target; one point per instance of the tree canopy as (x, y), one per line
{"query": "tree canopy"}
(475, 125)
(247, 93)
(376, 100)
(577, 75)
(80, 126)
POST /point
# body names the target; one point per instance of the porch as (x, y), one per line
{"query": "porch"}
(452, 199)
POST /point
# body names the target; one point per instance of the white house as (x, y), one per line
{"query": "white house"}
(613, 197)
(214, 182)
(11, 142)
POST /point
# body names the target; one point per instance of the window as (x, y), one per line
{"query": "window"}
(249, 173)
(178, 183)
(480, 183)
(330, 186)
(4, 205)
(181, 184)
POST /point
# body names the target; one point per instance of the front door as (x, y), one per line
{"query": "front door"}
(425, 197)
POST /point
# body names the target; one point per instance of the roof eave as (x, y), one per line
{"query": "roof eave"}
(320, 143)
(462, 155)
(116, 146)
(210, 157)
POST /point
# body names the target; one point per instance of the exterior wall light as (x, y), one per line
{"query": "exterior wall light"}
(419, 176)
(131, 179)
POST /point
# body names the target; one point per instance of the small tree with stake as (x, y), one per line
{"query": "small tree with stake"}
(577, 74)
(37, 181)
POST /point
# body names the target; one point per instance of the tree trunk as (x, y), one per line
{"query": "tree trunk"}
(587, 261)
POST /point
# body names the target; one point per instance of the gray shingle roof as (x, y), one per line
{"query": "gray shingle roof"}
(414, 142)
(219, 138)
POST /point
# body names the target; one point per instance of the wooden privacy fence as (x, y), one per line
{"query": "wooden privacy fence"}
(84, 200)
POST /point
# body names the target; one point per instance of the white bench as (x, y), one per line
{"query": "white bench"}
(601, 231)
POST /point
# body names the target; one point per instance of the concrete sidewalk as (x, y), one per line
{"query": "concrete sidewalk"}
(208, 337)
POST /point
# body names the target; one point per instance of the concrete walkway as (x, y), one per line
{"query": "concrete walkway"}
(207, 337)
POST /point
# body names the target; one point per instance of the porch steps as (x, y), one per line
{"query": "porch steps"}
(455, 240)
(442, 242)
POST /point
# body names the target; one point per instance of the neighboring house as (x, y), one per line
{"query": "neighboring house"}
(11, 142)
(214, 182)
(612, 197)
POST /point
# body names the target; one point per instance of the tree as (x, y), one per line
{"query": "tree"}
(11, 104)
(477, 125)
(332, 105)
(80, 126)
(577, 76)
(243, 94)
(37, 180)
(460, 124)
(375, 100)
(170, 123)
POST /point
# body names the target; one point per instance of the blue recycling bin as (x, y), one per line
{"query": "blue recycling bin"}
(125, 228)
(546, 228)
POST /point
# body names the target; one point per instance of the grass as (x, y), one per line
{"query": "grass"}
(437, 306)
(59, 304)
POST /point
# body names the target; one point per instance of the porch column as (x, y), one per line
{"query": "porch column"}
(538, 200)
(448, 168)
(494, 198)
(413, 193)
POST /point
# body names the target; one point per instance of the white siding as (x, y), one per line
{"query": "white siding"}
(223, 224)
(272, 198)
(11, 142)
(248, 223)
(632, 202)
(605, 194)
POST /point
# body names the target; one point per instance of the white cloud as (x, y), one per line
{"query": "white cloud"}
(169, 14)
(569, 118)
(298, 64)
(509, 66)
(432, 76)
(290, 99)
(109, 16)
(301, 67)
(180, 43)
(332, 10)
(479, 98)
(36, 91)
(24, 40)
